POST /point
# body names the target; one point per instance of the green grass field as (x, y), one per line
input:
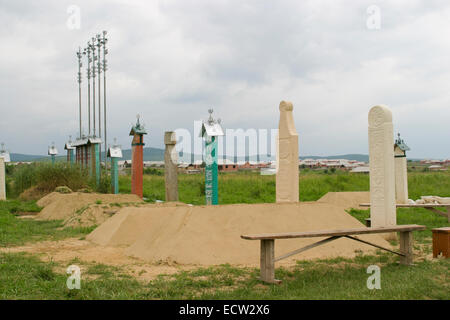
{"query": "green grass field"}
(25, 276)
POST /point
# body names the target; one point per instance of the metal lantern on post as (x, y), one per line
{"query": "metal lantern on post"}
(4, 153)
(70, 151)
(52, 151)
(211, 130)
(4, 157)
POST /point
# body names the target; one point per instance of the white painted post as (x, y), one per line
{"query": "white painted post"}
(2, 179)
(401, 178)
(287, 156)
(382, 171)
(171, 166)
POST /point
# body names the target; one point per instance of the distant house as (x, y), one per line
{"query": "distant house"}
(225, 165)
(436, 167)
(122, 164)
(154, 164)
(361, 169)
(330, 163)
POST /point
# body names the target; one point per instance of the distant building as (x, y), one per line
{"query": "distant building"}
(343, 164)
(364, 169)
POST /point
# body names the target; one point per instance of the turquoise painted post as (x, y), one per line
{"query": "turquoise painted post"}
(114, 176)
(97, 163)
(211, 171)
(53, 159)
(72, 156)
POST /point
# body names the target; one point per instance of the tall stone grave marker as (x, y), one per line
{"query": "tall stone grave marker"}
(4, 158)
(287, 156)
(2, 179)
(171, 166)
(382, 170)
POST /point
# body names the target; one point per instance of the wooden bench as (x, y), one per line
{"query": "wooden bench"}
(428, 206)
(267, 261)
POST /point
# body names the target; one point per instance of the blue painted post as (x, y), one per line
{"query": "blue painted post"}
(114, 176)
(211, 172)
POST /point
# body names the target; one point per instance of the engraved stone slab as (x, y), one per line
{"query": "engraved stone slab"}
(287, 156)
(382, 170)
(2, 179)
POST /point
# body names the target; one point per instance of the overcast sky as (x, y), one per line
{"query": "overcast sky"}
(172, 60)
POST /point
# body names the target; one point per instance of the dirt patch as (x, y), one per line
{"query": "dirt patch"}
(210, 235)
(66, 251)
(33, 193)
(26, 213)
(346, 200)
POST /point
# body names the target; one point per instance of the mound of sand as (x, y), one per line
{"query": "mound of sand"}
(210, 235)
(95, 214)
(58, 206)
(346, 200)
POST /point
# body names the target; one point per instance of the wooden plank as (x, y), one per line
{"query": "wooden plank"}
(267, 261)
(313, 245)
(444, 214)
(406, 247)
(374, 245)
(326, 233)
(425, 205)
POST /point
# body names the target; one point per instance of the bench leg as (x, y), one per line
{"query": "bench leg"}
(268, 261)
(406, 247)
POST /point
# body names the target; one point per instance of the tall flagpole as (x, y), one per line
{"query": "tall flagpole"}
(94, 58)
(105, 52)
(87, 52)
(79, 55)
(99, 71)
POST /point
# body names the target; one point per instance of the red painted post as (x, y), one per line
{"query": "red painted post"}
(137, 160)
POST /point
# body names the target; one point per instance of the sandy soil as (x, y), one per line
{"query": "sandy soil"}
(58, 206)
(210, 235)
(346, 200)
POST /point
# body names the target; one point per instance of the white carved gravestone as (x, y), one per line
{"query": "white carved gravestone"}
(2, 179)
(287, 156)
(382, 169)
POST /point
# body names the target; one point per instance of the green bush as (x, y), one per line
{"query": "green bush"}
(153, 171)
(46, 177)
(104, 186)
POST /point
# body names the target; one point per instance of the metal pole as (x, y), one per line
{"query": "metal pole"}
(99, 70)
(79, 55)
(87, 52)
(94, 58)
(105, 52)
